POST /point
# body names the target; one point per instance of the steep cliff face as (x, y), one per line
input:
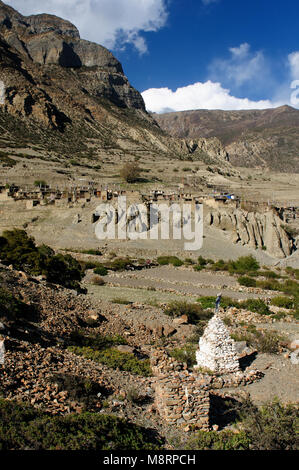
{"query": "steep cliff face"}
(49, 40)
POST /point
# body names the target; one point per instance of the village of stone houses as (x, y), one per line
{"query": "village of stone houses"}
(122, 343)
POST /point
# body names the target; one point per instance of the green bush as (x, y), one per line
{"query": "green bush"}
(18, 249)
(202, 261)
(293, 272)
(40, 183)
(247, 281)
(91, 252)
(268, 274)
(165, 260)
(101, 270)
(25, 428)
(243, 265)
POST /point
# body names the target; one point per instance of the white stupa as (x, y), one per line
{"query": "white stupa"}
(217, 349)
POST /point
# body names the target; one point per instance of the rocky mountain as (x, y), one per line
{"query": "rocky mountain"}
(253, 138)
(69, 95)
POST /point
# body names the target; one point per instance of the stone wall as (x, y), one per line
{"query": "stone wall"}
(182, 397)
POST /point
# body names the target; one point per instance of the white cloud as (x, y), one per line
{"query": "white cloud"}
(112, 23)
(293, 60)
(242, 66)
(208, 95)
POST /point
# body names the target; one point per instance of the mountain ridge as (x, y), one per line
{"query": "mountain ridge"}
(266, 138)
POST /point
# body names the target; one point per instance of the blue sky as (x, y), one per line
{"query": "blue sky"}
(191, 54)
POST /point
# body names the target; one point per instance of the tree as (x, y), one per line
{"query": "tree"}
(130, 172)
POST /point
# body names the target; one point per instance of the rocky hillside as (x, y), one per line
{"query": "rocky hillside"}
(254, 138)
(70, 96)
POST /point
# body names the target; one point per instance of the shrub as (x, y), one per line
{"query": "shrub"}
(247, 281)
(269, 274)
(220, 265)
(209, 302)
(18, 249)
(40, 183)
(202, 261)
(283, 302)
(92, 252)
(119, 264)
(189, 261)
(267, 342)
(101, 270)
(165, 260)
(293, 272)
(243, 265)
(263, 341)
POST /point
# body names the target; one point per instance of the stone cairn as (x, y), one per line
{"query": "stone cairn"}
(217, 351)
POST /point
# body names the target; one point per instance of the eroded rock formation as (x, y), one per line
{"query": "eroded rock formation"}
(257, 230)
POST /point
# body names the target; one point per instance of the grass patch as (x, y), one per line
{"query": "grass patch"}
(115, 359)
(283, 302)
(264, 341)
